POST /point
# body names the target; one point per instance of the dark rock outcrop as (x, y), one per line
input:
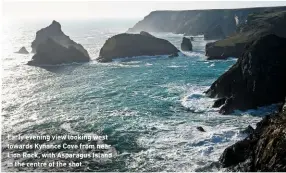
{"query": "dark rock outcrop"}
(130, 45)
(214, 51)
(55, 32)
(214, 33)
(186, 44)
(197, 22)
(52, 53)
(23, 50)
(201, 129)
(257, 78)
(219, 102)
(257, 25)
(248, 130)
(264, 149)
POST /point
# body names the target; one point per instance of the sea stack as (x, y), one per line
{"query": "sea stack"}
(130, 45)
(52, 47)
(23, 50)
(55, 32)
(257, 79)
(52, 53)
(186, 44)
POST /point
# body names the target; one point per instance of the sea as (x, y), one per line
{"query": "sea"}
(148, 106)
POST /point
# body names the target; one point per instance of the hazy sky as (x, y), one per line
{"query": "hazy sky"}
(113, 9)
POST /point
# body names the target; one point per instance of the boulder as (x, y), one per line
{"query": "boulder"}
(256, 79)
(130, 45)
(54, 31)
(23, 50)
(186, 44)
(263, 150)
(214, 33)
(52, 53)
(201, 129)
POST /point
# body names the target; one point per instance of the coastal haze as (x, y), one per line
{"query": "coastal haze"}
(150, 107)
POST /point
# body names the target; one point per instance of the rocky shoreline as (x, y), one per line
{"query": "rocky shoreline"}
(263, 150)
(257, 79)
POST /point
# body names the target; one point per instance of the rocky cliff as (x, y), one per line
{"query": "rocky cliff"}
(196, 22)
(264, 150)
(257, 25)
(257, 78)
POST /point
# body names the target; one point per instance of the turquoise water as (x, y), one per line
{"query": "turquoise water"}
(148, 106)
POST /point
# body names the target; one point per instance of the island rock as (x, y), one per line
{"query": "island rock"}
(130, 45)
(54, 31)
(50, 52)
(186, 44)
(23, 50)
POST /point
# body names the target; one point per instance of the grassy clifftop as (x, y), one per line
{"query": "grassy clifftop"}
(257, 25)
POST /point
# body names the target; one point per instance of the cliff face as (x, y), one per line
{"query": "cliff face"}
(257, 79)
(195, 22)
(257, 25)
(264, 150)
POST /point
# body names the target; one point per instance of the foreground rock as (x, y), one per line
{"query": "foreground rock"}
(214, 33)
(264, 149)
(55, 32)
(186, 44)
(130, 45)
(258, 25)
(257, 79)
(23, 50)
(52, 53)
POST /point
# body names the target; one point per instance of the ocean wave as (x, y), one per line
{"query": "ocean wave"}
(195, 54)
(176, 66)
(196, 100)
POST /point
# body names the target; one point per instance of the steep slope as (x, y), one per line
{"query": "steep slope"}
(257, 79)
(257, 25)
